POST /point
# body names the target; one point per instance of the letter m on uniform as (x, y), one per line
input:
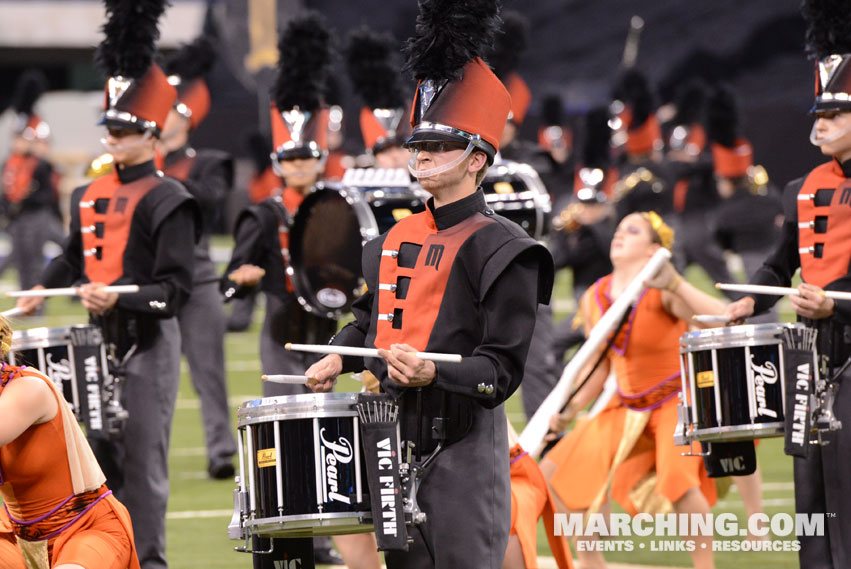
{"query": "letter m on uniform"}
(435, 253)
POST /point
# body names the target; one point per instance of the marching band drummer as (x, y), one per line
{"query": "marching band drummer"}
(814, 238)
(29, 195)
(632, 440)
(59, 513)
(466, 281)
(299, 131)
(261, 233)
(134, 225)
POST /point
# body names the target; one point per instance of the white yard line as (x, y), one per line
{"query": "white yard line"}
(195, 514)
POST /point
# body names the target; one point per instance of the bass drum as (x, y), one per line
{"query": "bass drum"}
(515, 191)
(327, 236)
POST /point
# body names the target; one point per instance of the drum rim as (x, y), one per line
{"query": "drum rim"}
(300, 406)
(340, 523)
(45, 336)
(735, 336)
(745, 431)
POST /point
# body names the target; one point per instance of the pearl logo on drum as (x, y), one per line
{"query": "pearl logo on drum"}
(58, 371)
(332, 454)
(763, 375)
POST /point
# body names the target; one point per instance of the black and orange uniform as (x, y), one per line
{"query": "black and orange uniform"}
(455, 279)
(134, 226)
(300, 126)
(814, 238)
(57, 509)
(29, 198)
(261, 238)
(208, 176)
(29, 203)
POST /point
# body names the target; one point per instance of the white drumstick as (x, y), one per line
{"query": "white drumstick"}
(12, 312)
(366, 352)
(777, 290)
(70, 291)
(289, 379)
(710, 318)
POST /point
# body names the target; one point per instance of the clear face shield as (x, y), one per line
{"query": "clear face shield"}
(314, 170)
(840, 132)
(421, 173)
(124, 146)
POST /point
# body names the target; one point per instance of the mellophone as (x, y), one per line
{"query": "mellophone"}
(738, 384)
(303, 472)
(75, 359)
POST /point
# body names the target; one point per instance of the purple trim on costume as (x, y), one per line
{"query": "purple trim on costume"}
(66, 526)
(658, 403)
(42, 518)
(518, 457)
(80, 515)
(648, 391)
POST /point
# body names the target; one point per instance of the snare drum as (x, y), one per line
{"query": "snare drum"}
(301, 469)
(734, 378)
(515, 191)
(74, 358)
(327, 236)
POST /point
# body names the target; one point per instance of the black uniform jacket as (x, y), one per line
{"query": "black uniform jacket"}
(208, 175)
(467, 281)
(257, 242)
(157, 253)
(832, 216)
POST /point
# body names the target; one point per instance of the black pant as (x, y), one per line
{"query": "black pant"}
(823, 486)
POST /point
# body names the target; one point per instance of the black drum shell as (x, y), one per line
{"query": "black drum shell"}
(74, 358)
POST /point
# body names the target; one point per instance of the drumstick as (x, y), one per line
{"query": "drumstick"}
(12, 312)
(290, 379)
(70, 291)
(710, 318)
(777, 290)
(366, 352)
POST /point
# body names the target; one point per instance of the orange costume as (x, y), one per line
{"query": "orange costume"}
(531, 500)
(57, 508)
(638, 424)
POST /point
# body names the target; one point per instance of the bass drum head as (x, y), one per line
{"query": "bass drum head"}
(325, 250)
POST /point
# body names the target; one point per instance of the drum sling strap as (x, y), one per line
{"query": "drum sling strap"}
(284, 222)
(379, 426)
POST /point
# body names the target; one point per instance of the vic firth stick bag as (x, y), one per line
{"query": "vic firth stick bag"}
(379, 421)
